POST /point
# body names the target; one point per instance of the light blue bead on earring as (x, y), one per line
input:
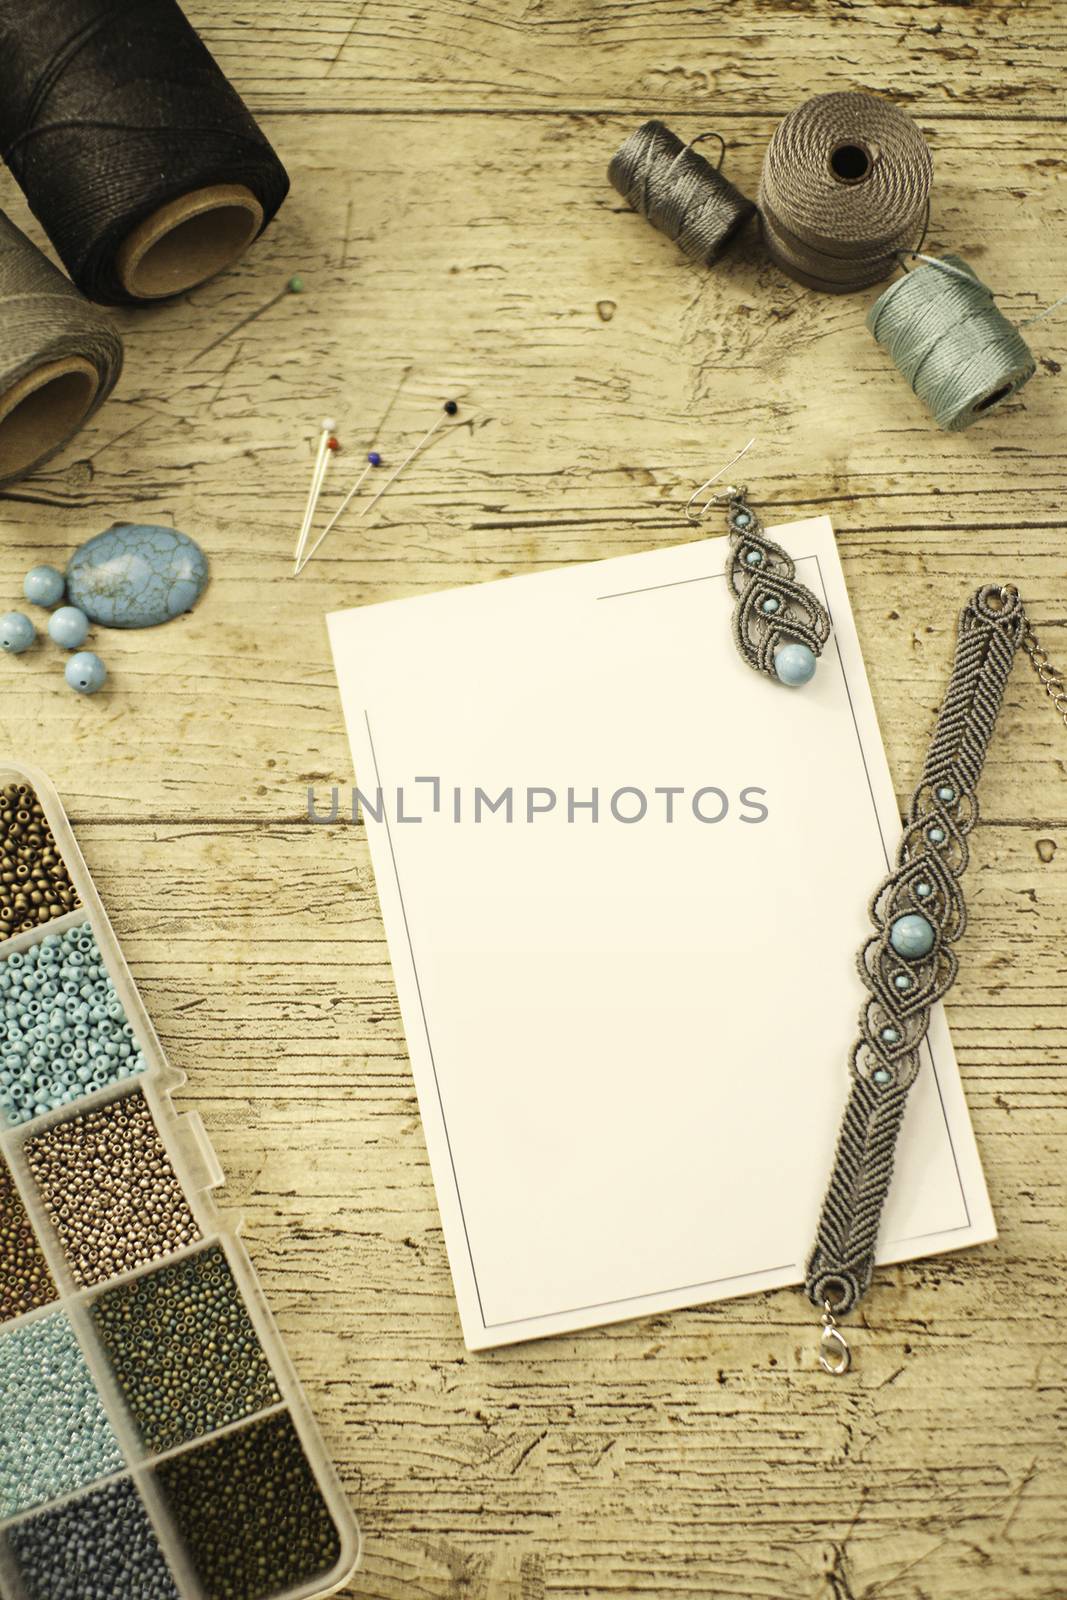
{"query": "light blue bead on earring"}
(44, 586)
(912, 936)
(17, 633)
(68, 627)
(770, 605)
(85, 672)
(794, 664)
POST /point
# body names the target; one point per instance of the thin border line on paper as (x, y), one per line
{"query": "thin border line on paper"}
(728, 1277)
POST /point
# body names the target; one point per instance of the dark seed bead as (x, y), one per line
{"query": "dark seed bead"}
(25, 1281)
(28, 856)
(99, 1547)
(250, 1512)
(184, 1350)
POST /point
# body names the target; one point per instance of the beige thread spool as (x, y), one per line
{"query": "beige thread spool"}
(845, 188)
(188, 240)
(59, 356)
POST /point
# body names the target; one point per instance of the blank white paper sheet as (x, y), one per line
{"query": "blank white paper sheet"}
(629, 1026)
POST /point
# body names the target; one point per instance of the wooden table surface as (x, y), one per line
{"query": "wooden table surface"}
(450, 210)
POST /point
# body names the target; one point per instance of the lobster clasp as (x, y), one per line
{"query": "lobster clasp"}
(835, 1357)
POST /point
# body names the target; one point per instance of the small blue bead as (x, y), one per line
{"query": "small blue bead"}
(890, 1036)
(882, 1075)
(17, 633)
(911, 936)
(44, 586)
(754, 558)
(946, 794)
(374, 458)
(902, 981)
(923, 890)
(936, 835)
(794, 664)
(68, 627)
(741, 519)
(86, 673)
(770, 605)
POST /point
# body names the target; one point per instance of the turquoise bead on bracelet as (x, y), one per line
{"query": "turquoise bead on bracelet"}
(912, 936)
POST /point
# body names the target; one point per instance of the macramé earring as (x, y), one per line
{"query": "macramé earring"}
(780, 627)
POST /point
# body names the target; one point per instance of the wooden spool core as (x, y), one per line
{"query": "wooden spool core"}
(42, 410)
(188, 240)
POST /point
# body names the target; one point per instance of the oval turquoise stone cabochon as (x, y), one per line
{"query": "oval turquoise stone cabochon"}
(136, 575)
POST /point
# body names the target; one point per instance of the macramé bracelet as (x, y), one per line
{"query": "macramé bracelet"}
(908, 964)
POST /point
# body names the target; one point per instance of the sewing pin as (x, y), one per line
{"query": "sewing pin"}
(373, 460)
(295, 285)
(327, 444)
(449, 409)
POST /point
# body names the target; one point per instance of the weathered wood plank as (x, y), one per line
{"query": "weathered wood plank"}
(641, 56)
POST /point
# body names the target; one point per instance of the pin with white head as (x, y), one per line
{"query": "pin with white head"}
(327, 445)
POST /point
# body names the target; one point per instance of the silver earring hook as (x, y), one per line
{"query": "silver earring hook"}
(726, 493)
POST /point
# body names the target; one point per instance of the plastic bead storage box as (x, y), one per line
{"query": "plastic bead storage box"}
(154, 1440)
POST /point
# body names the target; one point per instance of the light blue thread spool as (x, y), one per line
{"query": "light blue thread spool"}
(958, 351)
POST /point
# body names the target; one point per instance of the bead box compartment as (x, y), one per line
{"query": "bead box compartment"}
(152, 1474)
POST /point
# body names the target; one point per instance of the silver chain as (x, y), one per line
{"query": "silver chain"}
(1050, 677)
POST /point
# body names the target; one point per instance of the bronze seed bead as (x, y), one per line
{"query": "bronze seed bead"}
(89, 1171)
(25, 1281)
(30, 858)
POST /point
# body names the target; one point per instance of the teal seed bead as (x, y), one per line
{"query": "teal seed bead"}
(882, 1076)
(17, 632)
(741, 519)
(753, 558)
(68, 627)
(85, 672)
(946, 794)
(44, 586)
(924, 890)
(770, 605)
(936, 835)
(890, 1036)
(794, 664)
(911, 936)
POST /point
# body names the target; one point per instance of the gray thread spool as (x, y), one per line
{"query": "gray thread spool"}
(59, 356)
(679, 192)
(946, 334)
(844, 189)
